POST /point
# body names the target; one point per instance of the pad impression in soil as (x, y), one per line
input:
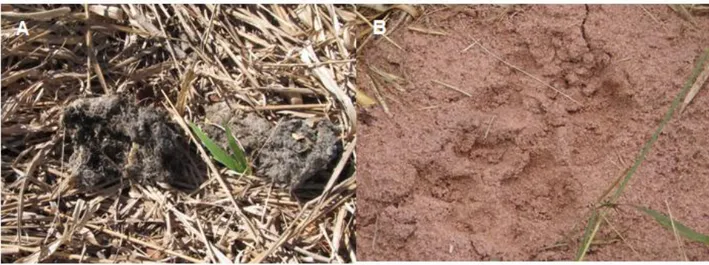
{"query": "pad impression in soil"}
(288, 153)
(113, 138)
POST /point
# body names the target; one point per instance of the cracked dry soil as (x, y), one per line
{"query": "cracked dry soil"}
(507, 173)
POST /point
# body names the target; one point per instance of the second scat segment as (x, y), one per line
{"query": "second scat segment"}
(289, 152)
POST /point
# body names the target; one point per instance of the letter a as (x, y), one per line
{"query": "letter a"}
(22, 29)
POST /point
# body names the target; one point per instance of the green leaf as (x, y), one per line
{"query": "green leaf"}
(217, 152)
(238, 153)
(682, 230)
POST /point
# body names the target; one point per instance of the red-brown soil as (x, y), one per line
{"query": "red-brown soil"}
(511, 172)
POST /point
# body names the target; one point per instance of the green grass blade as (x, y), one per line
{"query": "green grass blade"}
(594, 222)
(646, 148)
(238, 153)
(217, 152)
(666, 222)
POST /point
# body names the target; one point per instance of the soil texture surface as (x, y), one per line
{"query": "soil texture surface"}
(510, 170)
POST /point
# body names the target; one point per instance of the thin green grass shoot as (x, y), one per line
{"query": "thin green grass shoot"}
(666, 222)
(237, 161)
(237, 152)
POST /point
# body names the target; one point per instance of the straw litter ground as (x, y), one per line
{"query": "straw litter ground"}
(156, 68)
